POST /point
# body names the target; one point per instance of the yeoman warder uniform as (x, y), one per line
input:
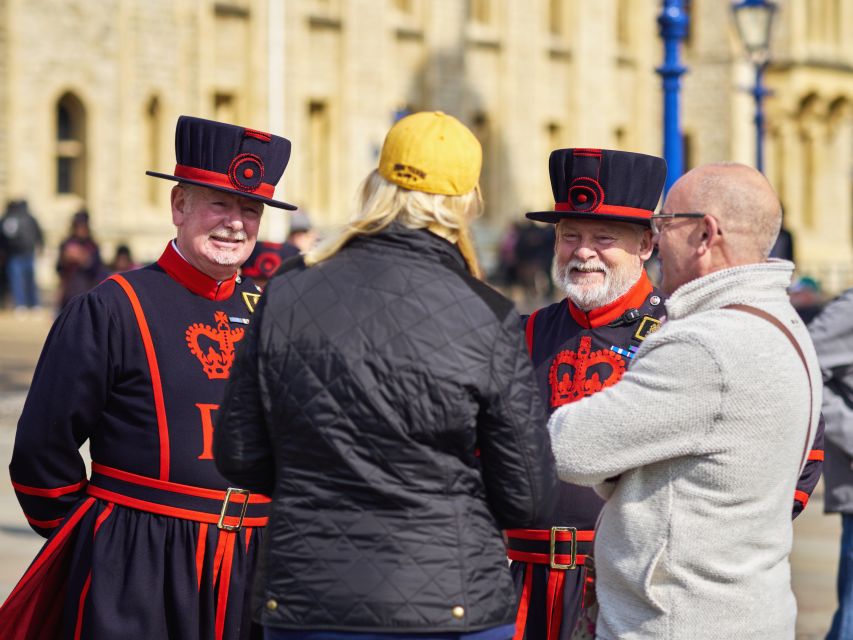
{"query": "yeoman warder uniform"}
(154, 544)
(577, 353)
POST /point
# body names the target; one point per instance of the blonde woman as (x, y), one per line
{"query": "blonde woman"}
(384, 398)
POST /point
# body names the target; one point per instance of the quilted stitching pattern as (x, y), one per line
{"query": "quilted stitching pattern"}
(382, 370)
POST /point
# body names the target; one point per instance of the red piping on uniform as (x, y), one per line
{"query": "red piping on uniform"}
(544, 558)
(814, 454)
(199, 551)
(104, 515)
(260, 135)
(802, 497)
(78, 628)
(176, 487)
(175, 512)
(225, 583)
(528, 331)
(52, 545)
(156, 384)
(49, 493)
(554, 603)
(582, 535)
(633, 298)
(215, 178)
(524, 604)
(187, 275)
(611, 209)
(248, 537)
(217, 556)
(44, 524)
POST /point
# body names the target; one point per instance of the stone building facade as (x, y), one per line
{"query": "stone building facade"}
(90, 92)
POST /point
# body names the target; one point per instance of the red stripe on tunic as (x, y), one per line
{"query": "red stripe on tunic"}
(224, 584)
(528, 331)
(81, 605)
(176, 487)
(523, 605)
(44, 524)
(55, 492)
(50, 548)
(175, 512)
(156, 384)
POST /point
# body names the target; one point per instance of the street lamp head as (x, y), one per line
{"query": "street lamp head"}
(754, 19)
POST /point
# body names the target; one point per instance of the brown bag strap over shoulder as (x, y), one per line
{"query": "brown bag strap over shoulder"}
(778, 324)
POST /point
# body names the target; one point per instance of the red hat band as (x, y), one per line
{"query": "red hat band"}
(228, 180)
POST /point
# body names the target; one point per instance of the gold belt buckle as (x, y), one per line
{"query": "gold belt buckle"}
(236, 527)
(574, 548)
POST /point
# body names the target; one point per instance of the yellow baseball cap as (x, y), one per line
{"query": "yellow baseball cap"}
(431, 152)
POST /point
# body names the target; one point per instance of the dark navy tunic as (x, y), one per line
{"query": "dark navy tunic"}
(576, 354)
(137, 367)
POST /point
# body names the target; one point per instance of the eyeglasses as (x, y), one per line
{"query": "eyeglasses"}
(657, 228)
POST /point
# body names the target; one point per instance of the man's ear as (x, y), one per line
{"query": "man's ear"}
(179, 203)
(710, 234)
(647, 245)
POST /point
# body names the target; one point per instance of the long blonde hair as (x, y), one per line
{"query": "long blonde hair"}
(382, 202)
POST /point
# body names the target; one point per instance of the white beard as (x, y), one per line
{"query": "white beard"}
(225, 257)
(617, 282)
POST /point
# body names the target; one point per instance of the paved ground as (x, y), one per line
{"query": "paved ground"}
(815, 535)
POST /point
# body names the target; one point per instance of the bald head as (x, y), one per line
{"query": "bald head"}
(742, 200)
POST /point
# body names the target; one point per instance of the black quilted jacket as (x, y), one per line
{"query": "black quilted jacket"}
(385, 399)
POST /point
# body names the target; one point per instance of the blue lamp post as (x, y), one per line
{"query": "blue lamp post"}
(754, 19)
(673, 29)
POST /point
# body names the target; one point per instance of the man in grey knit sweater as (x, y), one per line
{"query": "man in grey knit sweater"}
(700, 445)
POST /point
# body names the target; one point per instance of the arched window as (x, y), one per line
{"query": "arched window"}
(152, 122)
(70, 145)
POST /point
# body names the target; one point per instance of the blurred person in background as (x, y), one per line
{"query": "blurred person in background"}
(154, 544)
(301, 234)
(534, 255)
(21, 238)
(783, 248)
(122, 260)
(386, 400)
(832, 333)
(807, 297)
(79, 264)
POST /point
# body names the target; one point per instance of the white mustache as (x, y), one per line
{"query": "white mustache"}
(586, 266)
(236, 236)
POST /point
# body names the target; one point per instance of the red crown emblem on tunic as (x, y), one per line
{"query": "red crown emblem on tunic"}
(219, 357)
(566, 387)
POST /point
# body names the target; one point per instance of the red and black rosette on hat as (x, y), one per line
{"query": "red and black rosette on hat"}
(229, 158)
(602, 184)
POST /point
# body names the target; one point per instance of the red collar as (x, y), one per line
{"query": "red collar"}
(199, 283)
(632, 299)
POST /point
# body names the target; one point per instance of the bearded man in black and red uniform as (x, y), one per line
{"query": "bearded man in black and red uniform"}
(583, 344)
(154, 544)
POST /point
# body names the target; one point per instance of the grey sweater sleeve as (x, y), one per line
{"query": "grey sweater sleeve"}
(664, 407)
